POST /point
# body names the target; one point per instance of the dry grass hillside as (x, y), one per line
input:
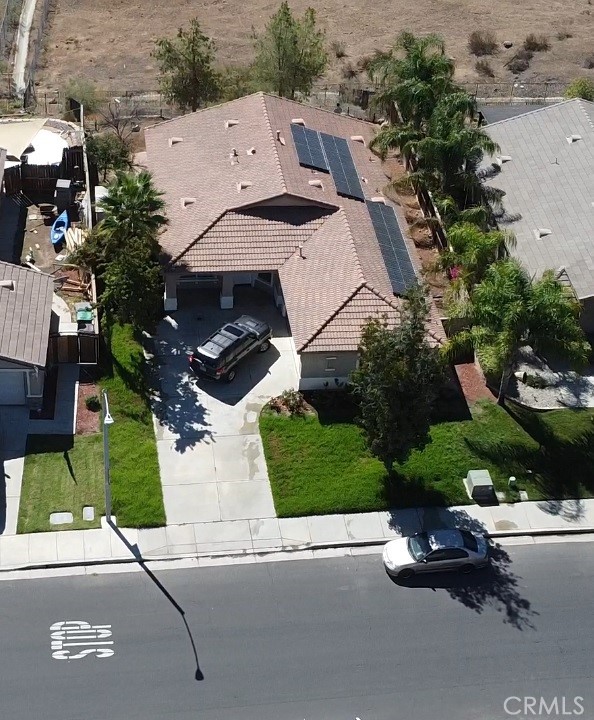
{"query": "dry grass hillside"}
(111, 43)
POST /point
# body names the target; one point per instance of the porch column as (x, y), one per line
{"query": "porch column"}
(170, 297)
(227, 292)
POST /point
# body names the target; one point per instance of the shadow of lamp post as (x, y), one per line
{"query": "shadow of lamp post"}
(107, 421)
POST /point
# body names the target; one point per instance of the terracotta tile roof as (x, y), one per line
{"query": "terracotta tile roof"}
(256, 239)
(225, 160)
(342, 331)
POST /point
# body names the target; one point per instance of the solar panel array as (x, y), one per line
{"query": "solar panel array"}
(342, 167)
(309, 147)
(393, 246)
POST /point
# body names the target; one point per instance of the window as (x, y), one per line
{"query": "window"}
(330, 364)
(447, 554)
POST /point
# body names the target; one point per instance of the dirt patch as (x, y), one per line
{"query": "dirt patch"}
(87, 421)
(111, 43)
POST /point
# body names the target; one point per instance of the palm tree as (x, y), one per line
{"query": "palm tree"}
(414, 74)
(471, 252)
(509, 310)
(450, 213)
(133, 207)
(450, 154)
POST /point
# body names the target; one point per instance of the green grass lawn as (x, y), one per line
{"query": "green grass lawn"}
(137, 496)
(61, 473)
(320, 465)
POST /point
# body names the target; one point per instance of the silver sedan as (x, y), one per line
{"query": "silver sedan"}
(435, 551)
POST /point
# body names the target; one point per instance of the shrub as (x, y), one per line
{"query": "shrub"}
(520, 61)
(588, 63)
(85, 92)
(563, 35)
(338, 49)
(348, 71)
(93, 403)
(536, 43)
(364, 62)
(483, 67)
(482, 43)
(290, 402)
(581, 88)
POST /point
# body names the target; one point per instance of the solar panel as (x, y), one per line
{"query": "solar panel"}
(342, 167)
(393, 246)
(309, 148)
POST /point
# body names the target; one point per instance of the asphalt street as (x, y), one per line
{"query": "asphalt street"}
(331, 639)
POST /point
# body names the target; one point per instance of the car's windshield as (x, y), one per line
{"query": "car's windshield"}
(418, 546)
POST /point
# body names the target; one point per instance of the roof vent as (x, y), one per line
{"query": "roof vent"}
(316, 183)
(542, 232)
(251, 151)
(231, 123)
(501, 159)
(185, 201)
(358, 138)
(379, 198)
(298, 121)
(175, 141)
(8, 284)
(573, 138)
(243, 185)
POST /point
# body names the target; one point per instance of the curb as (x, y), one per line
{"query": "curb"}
(346, 544)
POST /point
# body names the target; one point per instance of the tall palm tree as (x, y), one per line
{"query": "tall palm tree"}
(414, 74)
(509, 310)
(450, 213)
(471, 252)
(452, 150)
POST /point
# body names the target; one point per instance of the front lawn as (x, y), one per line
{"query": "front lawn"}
(319, 465)
(137, 497)
(62, 474)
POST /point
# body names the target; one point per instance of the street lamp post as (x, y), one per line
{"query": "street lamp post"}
(107, 421)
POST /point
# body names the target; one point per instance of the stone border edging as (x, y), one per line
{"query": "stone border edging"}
(539, 532)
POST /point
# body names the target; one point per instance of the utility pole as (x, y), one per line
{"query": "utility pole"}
(107, 421)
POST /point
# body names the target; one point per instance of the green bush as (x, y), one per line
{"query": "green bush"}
(581, 88)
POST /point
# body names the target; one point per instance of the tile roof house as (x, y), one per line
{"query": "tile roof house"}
(546, 170)
(243, 209)
(25, 320)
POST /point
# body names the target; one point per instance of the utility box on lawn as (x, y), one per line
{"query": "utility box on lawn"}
(479, 487)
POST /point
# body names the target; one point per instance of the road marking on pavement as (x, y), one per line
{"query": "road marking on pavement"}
(80, 634)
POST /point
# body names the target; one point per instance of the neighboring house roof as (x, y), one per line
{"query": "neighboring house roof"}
(238, 199)
(548, 182)
(498, 112)
(25, 314)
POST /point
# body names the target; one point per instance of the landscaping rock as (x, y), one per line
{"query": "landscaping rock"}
(507, 44)
(61, 518)
(88, 513)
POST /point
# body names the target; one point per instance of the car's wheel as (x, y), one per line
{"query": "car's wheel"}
(467, 569)
(264, 346)
(405, 574)
(230, 376)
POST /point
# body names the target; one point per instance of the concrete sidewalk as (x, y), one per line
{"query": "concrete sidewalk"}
(249, 537)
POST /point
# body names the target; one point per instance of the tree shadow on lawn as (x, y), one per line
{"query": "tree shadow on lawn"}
(177, 410)
(496, 586)
(558, 468)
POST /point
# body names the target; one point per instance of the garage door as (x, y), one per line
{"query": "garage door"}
(12, 387)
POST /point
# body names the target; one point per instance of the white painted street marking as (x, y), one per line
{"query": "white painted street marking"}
(77, 633)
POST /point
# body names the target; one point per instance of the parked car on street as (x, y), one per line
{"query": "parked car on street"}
(218, 356)
(435, 551)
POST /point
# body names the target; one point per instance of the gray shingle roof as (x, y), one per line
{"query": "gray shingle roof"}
(549, 184)
(496, 113)
(25, 314)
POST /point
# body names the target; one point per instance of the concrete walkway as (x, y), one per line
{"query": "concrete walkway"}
(234, 540)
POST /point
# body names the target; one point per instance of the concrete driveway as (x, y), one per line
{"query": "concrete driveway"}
(210, 452)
